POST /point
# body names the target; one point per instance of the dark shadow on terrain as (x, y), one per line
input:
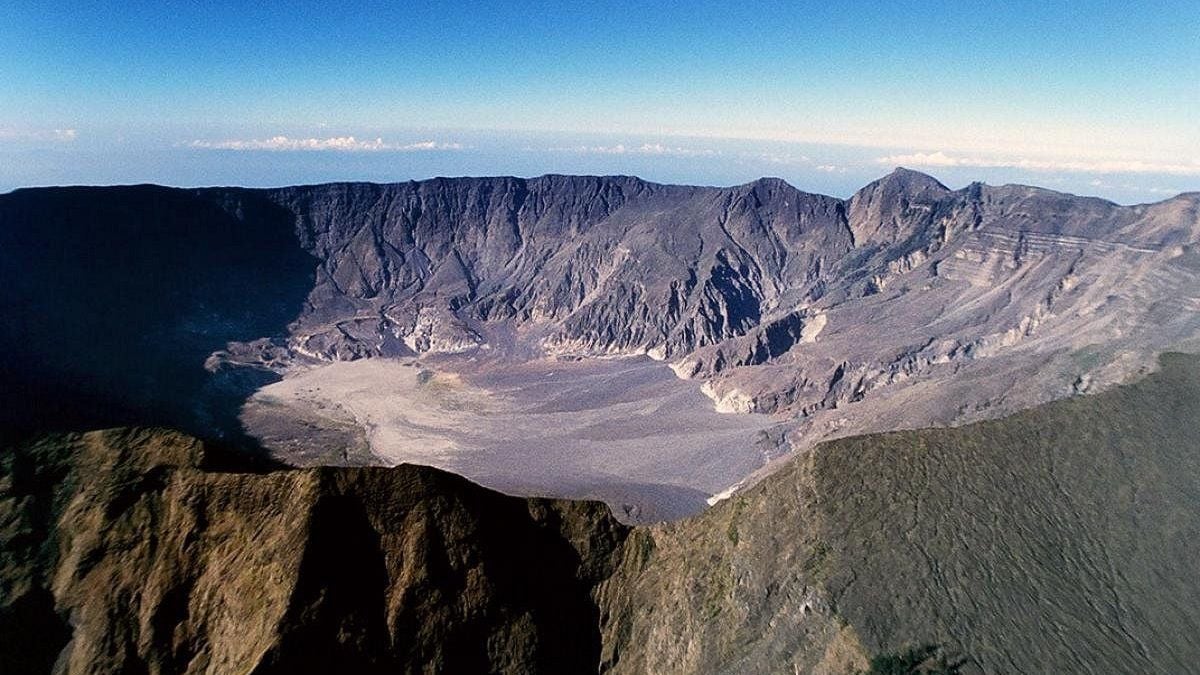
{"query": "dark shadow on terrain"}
(924, 660)
(337, 620)
(34, 632)
(498, 582)
(114, 297)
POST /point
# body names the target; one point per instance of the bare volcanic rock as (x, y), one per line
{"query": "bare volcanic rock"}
(763, 288)
(612, 264)
(1061, 539)
(138, 551)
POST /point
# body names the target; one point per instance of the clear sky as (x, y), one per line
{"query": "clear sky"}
(1090, 97)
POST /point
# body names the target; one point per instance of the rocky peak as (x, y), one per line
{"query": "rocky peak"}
(911, 180)
(770, 184)
(894, 208)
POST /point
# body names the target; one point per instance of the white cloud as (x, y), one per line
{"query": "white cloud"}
(1103, 166)
(430, 145)
(55, 135)
(643, 149)
(830, 168)
(784, 158)
(333, 143)
(1101, 184)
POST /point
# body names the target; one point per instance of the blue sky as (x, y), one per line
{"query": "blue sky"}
(1089, 97)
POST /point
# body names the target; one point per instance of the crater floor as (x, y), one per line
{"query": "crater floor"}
(623, 430)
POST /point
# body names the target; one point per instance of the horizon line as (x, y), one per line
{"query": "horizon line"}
(553, 174)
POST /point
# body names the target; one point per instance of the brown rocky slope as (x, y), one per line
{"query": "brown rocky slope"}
(128, 544)
(1060, 539)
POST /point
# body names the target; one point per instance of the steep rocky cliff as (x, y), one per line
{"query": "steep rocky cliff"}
(138, 551)
(602, 264)
(113, 298)
(1060, 539)
(907, 305)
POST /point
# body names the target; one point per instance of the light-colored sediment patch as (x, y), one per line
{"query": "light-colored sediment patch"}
(726, 493)
(813, 327)
(733, 401)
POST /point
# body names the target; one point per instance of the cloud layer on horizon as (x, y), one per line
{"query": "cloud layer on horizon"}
(55, 135)
(332, 143)
(642, 149)
(941, 159)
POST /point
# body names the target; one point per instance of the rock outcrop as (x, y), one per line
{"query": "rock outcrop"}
(603, 265)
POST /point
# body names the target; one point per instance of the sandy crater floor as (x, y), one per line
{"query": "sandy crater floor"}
(624, 430)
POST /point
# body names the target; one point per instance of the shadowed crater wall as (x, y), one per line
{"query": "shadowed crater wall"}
(114, 297)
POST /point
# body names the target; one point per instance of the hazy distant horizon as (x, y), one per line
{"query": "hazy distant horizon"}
(829, 169)
(822, 168)
(1085, 97)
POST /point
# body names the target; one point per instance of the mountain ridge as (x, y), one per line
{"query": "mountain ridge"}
(1186, 193)
(907, 305)
(147, 549)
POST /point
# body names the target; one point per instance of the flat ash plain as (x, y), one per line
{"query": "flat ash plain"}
(624, 430)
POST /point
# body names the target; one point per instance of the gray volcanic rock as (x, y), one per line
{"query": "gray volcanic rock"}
(616, 265)
(895, 208)
(907, 305)
(601, 265)
(975, 303)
